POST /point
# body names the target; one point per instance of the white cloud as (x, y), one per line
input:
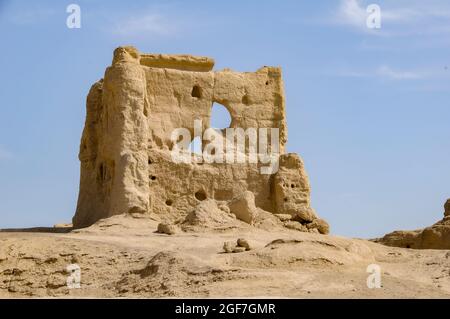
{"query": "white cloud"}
(417, 18)
(386, 72)
(145, 25)
(351, 12)
(389, 73)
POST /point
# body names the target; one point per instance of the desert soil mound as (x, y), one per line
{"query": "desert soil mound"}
(436, 236)
(126, 257)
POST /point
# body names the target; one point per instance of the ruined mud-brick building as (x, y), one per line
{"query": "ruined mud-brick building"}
(125, 152)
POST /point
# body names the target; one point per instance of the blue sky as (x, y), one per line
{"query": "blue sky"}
(368, 110)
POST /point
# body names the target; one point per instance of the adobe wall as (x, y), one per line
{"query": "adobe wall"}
(125, 152)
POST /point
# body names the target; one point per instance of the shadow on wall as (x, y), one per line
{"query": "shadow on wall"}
(59, 230)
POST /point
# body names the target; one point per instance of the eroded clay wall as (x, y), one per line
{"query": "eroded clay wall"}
(176, 98)
(126, 165)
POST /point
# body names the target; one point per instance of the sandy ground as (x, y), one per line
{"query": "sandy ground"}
(125, 257)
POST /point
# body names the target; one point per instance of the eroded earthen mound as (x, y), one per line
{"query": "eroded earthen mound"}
(436, 236)
(170, 273)
(209, 215)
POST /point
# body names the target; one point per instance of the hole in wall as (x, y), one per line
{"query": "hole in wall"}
(153, 177)
(105, 171)
(136, 210)
(267, 82)
(102, 172)
(169, 202)
(196, 92)
(220, 116)
(245, 100)
(200, 195)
